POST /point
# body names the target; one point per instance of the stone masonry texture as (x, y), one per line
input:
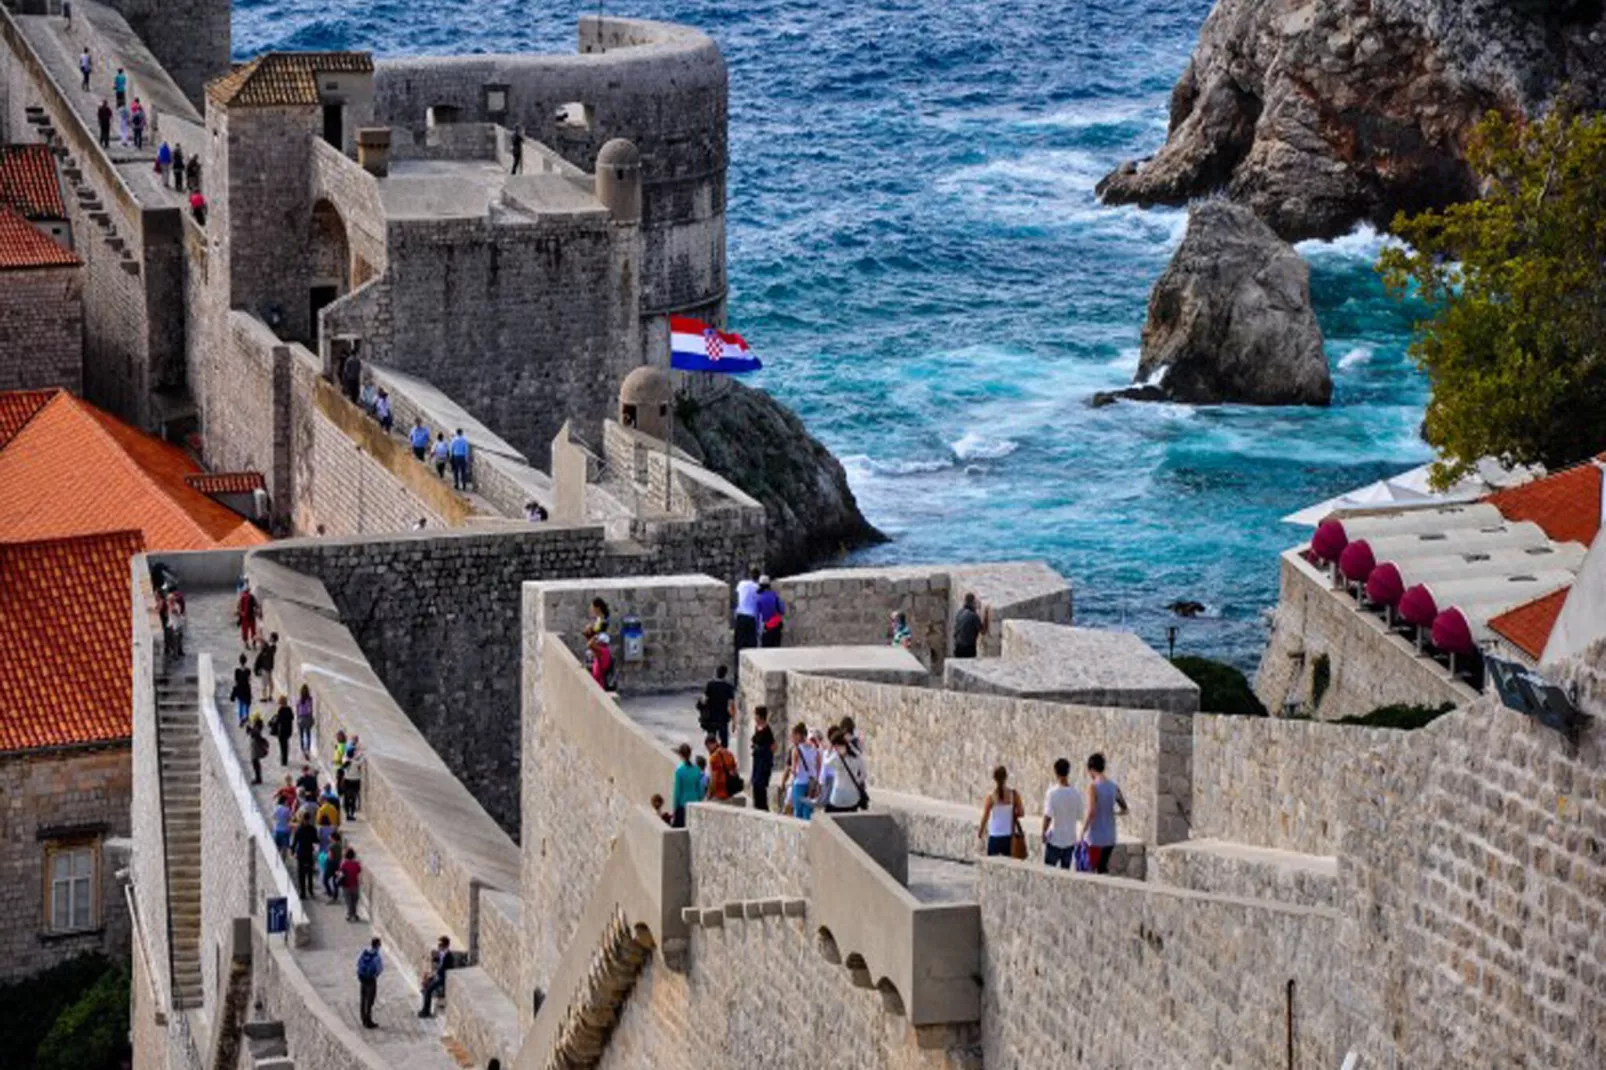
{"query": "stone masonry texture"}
(42, 329)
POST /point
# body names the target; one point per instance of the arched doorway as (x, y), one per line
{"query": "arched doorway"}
(330, 275)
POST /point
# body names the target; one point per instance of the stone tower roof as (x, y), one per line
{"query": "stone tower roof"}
(277, 79)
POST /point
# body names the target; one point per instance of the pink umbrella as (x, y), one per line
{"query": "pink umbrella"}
(1357, 562)
(1329, 540)
(1384, 586)
(1418, 607)
(1452, 634)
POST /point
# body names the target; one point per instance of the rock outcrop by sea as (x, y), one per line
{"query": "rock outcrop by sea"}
(1322, 114)
(761, 446)
(1231, 319)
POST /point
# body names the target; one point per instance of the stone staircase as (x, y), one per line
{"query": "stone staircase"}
(88, 198)
(265, 1046)
(618, 961)
(179, 743)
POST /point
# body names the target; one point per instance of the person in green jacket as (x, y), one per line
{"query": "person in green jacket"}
(688, 787)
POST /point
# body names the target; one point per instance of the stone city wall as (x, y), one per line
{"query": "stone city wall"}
(1290, 785)
(66, 796)
(437, 616)
(133, 329)
(147, 863)
(1370, 667)
(739, 854)
(240, 422)
(42, 329)
(944, 745)
(663, 87)
(1095, 971)
(317, 1037)
(1474, 879)
(191, 38)
(354, 195)
(841, 607)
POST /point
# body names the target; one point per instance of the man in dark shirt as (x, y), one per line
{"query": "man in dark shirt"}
(968, 627)
(763, 757)
(304, 840)
(719, 706)
(307, 783)
(104, 118)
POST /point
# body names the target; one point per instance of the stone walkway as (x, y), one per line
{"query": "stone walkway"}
(329, 961)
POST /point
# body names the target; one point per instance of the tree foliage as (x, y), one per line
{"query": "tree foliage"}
(92, 1034)
(1515, 349)
(1222, 688)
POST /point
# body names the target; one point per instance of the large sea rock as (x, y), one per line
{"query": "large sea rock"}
(760, 445)
(1231, 320)
(1320, 114)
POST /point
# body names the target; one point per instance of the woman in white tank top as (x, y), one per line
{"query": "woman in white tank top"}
(1001, 811)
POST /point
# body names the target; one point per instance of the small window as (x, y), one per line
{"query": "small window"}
(495, 100)
(72, 888)
(1433, 536)
(574, 116)
(443, 115)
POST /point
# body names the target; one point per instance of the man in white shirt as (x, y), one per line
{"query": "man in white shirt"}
(1062, 816)
(746, 616)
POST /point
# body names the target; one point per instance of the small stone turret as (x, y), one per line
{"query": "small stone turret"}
(644, 399)
(618, 179)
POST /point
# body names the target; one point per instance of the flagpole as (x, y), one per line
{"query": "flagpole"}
(669, 439)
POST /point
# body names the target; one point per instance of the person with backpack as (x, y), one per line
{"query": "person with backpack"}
(370, 964)
(771, 614)
(717, 707)
(241, 693)
(259, 749)
(842, 779)
(724, 782)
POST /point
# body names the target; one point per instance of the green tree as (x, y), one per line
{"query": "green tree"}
(92, 1034)
(1515, 349)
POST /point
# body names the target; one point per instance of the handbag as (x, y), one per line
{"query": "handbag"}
(1017, 839)
(1081, 857)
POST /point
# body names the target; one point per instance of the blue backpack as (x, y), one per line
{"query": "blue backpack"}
(368, 965)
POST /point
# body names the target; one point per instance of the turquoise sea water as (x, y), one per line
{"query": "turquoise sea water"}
(916, 252)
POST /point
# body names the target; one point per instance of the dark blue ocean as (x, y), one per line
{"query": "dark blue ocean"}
(916, 252)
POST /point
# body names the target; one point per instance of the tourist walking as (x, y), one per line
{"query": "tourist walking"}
(307, 783)
(746, 617)
(103, 116)
(85, 65)
(178, 167)
(164, 160)
(286, 793)
(338, 762)
(802, 773)
(304, 838)
(351, 882)
(723, 779)
(600, 620)
(197, 205)
(120, 87)
(1104, 801)
(418, 438)
(763, 757)
(459, 455)
(281, 727)
(241, 694)
(902, 635)
(281, 824)
(969, 626)
(329, 864)
(688, 787)
(717, 707)
(136, 120)
(1062, 818)
(382, 411)
(356, 761)
(351, 377)
(771, 614)
(263, 666)
(367, 397)
(517, 148)
(441, 454)
(1001, 812)
(370, 964)
(434, 980)
(177, 622)
(842, 777)
(249, 610)
(304, 721)
(192, 175)
(599, 655)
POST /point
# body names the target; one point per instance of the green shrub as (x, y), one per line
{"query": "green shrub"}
(92, 1034)
(28, 1007)
(1400, 715)
(1222, 688)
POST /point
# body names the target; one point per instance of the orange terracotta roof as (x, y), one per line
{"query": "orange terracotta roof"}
(23, 246)
(17, 408)
(276, 79)
(1528, 626)
(227, 482)
(74, 470)
(64, 641)
(1566, 504)
(28, 181)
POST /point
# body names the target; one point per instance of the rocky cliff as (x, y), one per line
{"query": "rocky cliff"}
(760, 445)
(1320, 114)
(1231, 318)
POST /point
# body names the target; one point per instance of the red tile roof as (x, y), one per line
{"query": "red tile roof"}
(23, 246)
(1566, 504)
(17, 408)
(1528, 626)
(28, 181)
(227, 482)
(277, 79)
(74, 470)
(65, 605)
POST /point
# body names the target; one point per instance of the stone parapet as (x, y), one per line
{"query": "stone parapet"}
(1231, 869)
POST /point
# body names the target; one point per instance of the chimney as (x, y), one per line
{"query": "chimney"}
(373, 150)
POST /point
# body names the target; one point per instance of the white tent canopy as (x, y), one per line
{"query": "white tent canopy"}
(1411, 488)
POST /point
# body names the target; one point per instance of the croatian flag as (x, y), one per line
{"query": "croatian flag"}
(694, 346)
